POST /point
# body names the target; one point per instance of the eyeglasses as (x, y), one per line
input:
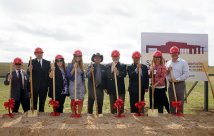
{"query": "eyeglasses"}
(157, 57)
(59, 60)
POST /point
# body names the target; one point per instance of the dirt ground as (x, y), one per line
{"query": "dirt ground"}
(201, 124)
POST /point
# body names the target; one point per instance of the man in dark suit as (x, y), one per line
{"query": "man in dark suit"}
(100, 83)
(120, 70)
(19, 86)
(40, 72)
(133, 70)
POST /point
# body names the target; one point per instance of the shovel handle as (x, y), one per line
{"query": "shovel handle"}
(116, 87)
(31, 85)
(174, 91)
(54, 89)
(75, 83)
(139, 83)
(173, 86)
(95, 93)
(153, 91)
(10, 81)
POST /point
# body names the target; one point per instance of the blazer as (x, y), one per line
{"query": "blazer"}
(133, 78)
(40, 75)
(102, 85)
(15, 86)
(120, 79)
(59, 84)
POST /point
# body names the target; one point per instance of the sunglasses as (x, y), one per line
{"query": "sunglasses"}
(77, 56)
(59, 60)
(18, 64)
(157, 57)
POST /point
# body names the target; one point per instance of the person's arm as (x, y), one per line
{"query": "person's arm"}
(6, 81)
(146, 76)
(122, 71)
(88, 72)
(185, 71)
(132, 72)
(69, 69)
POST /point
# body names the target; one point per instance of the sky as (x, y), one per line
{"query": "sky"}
(63, 26)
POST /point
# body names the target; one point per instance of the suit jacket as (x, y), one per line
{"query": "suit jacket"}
(15, 86)
(120, 78)
(133, 78)
(40, 75)
(59, 84)
(102, 85)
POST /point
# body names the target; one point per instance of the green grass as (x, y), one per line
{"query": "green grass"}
(195, 101)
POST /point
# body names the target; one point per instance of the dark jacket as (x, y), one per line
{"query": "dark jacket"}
(40, 75)
(120, 78)
(102, 85)
(59, 84)
(15, 86)
(133, 78)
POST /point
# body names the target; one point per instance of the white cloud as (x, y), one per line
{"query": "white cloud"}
(61, 26)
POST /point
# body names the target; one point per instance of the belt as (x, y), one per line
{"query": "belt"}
(176, 82)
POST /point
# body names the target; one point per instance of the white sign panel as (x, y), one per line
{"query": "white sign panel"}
(193, 48)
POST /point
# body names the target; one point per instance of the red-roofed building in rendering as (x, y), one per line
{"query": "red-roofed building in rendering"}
(184, 48)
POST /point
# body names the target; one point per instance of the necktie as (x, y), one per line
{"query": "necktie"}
(20, 79)
(40, 63)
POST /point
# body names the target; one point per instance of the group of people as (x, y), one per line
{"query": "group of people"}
(104, 80)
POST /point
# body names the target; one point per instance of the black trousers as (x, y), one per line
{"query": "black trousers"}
(41, 94)
(160, 99)
(91, 104)
(113, 98)
(25, 102)
(100, 98)
(61, 100)
(134, 97)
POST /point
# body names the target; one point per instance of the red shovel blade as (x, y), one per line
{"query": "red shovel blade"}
(55, 114)
(120, 116)
(138, 114)
(10, 115)
(75, 115)
(179, 114)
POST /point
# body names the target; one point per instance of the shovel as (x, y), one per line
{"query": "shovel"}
(140, 104)
(9, 105)
(95, 92)
(52, 102)
(177, 104)
(75, 102)
(205, 70)
(32, 112)
(153, 112)
(119, 102)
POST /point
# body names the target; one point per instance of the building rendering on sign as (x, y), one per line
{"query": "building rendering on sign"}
(184, 48)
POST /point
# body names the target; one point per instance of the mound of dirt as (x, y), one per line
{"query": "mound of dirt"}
(163, 125)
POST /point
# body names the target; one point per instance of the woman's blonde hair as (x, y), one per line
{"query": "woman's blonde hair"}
(80, 63)
(162, 61)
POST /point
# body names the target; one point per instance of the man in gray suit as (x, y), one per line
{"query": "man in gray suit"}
(100, 80)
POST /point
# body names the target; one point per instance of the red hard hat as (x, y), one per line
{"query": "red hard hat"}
(174, 49)
(59, 57)
(17, 61)
(115, 53)
(78, 53)
(136, 55)
(38, 50)
(157, 54)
